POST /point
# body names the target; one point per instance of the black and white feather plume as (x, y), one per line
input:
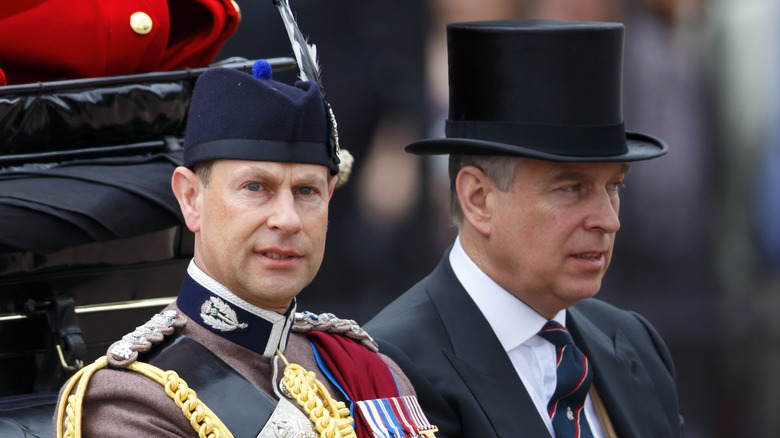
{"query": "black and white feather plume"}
(306, 56)
(305, 53)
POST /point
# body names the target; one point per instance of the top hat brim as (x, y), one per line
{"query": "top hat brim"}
(639, 147)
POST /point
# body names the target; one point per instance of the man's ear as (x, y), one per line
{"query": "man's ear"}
(186, 187)
(332, 185)
(475, 190)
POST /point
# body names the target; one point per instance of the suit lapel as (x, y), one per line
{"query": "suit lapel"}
(480, 361)
(619, 377)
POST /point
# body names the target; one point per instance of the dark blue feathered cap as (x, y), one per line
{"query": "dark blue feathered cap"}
(234, 115)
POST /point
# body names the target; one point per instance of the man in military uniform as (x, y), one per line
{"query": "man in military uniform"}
(260, 166)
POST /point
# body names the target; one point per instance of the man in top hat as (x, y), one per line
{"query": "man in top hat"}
(504, 337)
(232, 357)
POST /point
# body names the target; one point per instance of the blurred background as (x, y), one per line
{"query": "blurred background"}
(698, 253)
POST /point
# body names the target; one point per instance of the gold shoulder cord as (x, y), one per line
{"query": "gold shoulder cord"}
(202, 419)
(330, 417)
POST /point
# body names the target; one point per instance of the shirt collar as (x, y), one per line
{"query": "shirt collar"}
(215, 307)
(513, 321)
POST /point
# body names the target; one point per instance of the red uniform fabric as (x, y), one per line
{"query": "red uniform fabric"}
(361, 373)
(46, 40)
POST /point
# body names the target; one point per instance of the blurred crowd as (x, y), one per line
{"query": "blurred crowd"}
(698, 253)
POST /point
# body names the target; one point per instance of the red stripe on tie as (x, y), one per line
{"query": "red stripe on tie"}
(582, 377)
(577, 417)
(584, 371)
(550, 329)
(554, 407)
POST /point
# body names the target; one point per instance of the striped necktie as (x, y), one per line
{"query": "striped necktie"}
(566, 407)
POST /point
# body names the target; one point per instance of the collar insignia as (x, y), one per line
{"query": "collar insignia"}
(217, 314)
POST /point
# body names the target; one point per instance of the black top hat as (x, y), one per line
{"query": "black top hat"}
(550, 90)
(234, 115)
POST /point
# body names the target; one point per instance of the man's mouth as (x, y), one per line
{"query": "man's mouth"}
(274, 255)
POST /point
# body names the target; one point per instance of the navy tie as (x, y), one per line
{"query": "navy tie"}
(566, 407)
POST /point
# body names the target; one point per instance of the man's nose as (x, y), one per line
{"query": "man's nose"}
(284, 215)
(604, 215)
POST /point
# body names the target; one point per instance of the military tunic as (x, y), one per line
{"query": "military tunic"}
(123, 403)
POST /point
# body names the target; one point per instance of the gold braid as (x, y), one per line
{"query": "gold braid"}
(202, 419)
(330, 417)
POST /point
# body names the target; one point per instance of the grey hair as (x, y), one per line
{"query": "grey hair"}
(500, 169)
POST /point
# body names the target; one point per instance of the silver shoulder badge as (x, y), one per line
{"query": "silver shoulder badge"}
(220, 316)
(328, 322)
(287, 421)
(125, 351)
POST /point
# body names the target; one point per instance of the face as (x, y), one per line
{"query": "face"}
(552, 233)
(261, 226)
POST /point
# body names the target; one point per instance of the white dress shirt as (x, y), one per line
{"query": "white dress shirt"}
(517, 326)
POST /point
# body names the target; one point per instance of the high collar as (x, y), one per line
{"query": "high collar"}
(212, 305)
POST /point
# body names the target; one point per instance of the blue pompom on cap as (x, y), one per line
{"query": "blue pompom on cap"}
(261, 69)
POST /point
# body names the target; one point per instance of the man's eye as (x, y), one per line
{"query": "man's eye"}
(573, 188)
(254, 187)
(306, 191)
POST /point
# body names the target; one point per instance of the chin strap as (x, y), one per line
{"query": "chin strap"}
(202, 419)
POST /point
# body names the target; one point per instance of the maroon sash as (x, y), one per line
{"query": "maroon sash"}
(361, 373)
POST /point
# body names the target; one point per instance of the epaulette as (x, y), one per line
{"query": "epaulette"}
(125, 351)
(329, 323)
(124, 354)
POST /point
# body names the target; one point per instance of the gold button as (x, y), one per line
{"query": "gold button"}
(141, 23)
(238, 10)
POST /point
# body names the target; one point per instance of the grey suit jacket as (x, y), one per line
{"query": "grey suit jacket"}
(468, 387)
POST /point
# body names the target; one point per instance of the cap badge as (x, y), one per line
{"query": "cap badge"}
(217, 314)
